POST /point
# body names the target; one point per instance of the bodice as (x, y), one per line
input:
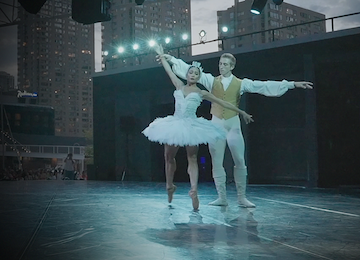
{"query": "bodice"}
(185, 107)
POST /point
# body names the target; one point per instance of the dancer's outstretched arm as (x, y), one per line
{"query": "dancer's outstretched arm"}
(174, 79)
(272, 88)
(210, 97)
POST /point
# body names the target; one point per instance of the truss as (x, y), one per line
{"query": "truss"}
(8, 13)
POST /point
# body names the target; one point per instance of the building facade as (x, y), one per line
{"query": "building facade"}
(240, 21)
(131, 23)
(56, 60)
(6, 82)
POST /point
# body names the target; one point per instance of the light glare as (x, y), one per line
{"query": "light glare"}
(152, 43)
(136, 46)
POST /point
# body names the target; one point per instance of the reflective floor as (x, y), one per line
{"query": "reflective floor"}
(115, 220)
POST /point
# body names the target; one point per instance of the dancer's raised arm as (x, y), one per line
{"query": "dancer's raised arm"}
(174, 79)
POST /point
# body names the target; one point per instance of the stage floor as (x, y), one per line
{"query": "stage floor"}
(96, 220)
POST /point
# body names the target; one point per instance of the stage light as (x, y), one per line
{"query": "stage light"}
(225, 29)
(106, 53)
(258, 6)
(167, 40)
(152, 43)
(184, 36)
(278, 2)
(139, 2)
(202, 35)
(121, 49)
(136, 46)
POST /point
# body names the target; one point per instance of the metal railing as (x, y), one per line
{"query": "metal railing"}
(224, 38)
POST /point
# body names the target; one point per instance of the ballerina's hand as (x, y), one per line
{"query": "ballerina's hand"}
(248, 118)
(159, 49)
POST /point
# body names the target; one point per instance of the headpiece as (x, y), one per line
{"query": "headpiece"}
(197, 65)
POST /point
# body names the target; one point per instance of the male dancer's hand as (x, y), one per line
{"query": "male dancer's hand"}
(303, 84)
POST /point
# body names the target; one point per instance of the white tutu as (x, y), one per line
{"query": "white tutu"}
(184, 128)
(183, 131)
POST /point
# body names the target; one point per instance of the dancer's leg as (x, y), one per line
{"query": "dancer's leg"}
(217, 151)
(193, 171)
(236, 145)
(170, 167)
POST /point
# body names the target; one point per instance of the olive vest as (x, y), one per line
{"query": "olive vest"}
(231, 95)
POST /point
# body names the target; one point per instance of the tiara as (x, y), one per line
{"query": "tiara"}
(197, 65)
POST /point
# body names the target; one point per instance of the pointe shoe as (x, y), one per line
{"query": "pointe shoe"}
(170, 192)
(219, 202)
(244, 203)
(195, 199)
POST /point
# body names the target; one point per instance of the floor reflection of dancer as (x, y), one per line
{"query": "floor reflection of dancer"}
(230, 88)
(184, 128)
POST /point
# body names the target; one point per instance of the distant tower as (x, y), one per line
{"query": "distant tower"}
(240, 20)
(133, 23)
(56, 60)
(6, 82)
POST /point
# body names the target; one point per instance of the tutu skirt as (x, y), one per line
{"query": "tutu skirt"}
(187, 131)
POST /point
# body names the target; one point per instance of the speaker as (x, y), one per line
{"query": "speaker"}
(33, 6)
(88, 12)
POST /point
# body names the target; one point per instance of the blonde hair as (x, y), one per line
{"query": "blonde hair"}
(230, 57)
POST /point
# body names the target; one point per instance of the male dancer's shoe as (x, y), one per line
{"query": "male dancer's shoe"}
(240, 175)
(221, 190)
(170, 192)
(194, 198)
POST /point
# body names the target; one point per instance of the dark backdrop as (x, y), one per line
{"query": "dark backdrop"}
(305, 137)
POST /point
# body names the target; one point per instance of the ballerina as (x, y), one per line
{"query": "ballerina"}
(184, 128)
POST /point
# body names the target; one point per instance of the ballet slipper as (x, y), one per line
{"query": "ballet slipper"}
(195, 199)
(171, 192)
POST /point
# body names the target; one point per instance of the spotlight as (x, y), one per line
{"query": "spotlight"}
(167, 40)
(225, 29)
(258, 6)
(152, 43)
(184, 36)
(106, 53)
(121, 49)
(278, 2)
(202, 33)
(136, 46)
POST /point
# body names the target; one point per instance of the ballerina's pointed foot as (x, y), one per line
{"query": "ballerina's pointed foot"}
(171, 192)
(194, 198)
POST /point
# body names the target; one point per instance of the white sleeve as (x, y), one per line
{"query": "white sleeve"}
(266, 88)
(180, 68)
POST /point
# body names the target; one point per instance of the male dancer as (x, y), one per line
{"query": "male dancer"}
(230, 88)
